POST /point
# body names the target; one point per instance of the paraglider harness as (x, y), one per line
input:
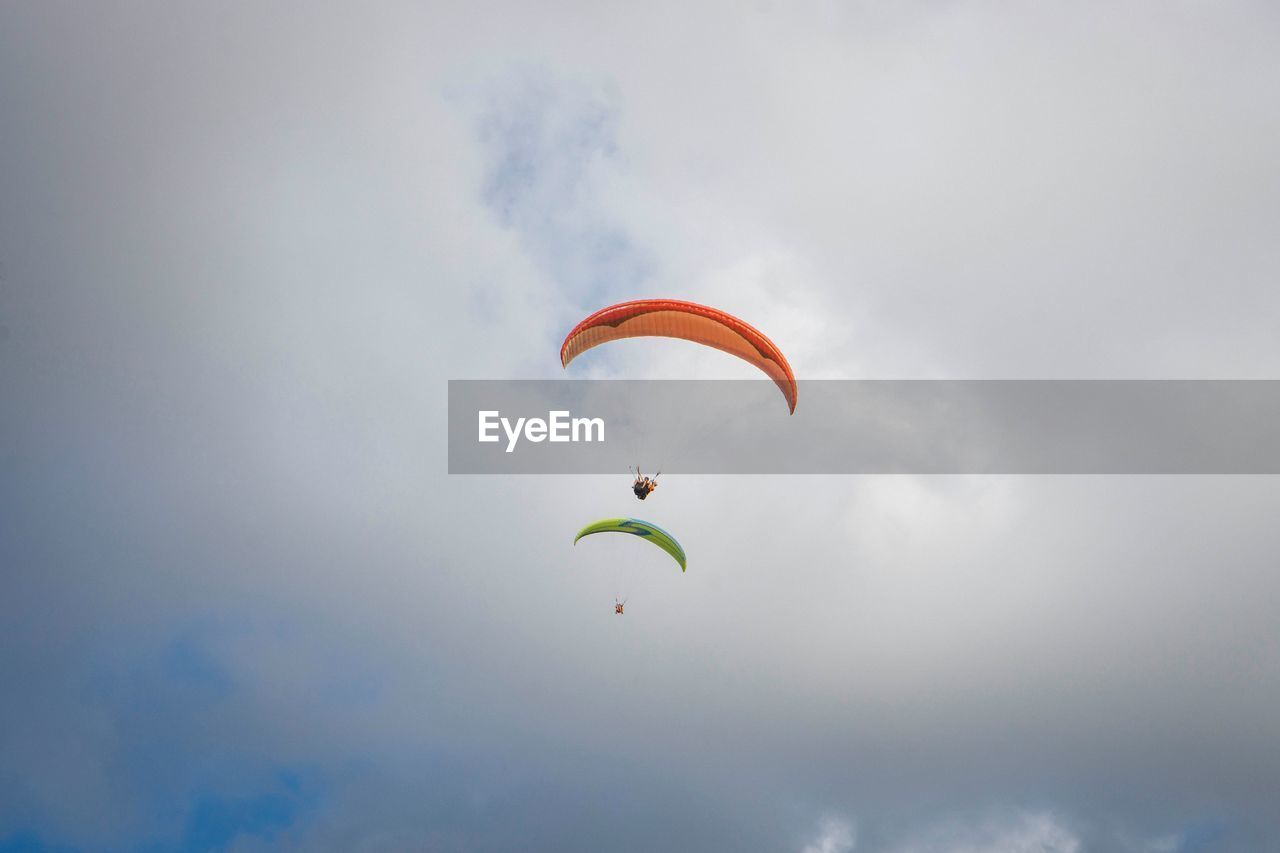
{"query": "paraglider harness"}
(644, 485)
(618, 605)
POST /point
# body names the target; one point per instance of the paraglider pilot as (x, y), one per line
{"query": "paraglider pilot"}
(644, 485)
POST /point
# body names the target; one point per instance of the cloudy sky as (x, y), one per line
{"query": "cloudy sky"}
(243, 606)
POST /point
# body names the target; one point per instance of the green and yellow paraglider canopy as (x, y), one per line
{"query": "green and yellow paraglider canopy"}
(636, 527)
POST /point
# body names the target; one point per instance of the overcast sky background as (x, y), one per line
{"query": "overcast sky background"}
(243, 246)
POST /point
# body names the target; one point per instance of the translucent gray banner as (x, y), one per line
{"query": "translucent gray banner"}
(865, 427)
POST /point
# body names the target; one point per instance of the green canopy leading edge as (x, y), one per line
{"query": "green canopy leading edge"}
(636, 527)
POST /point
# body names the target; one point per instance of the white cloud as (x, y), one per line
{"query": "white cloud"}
(835, 835)
(283, 250)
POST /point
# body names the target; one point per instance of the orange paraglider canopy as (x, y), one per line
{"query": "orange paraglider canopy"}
(672, 318)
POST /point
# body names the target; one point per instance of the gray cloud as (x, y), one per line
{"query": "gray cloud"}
(244, 249)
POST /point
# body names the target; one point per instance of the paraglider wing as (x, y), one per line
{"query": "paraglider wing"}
(636, 527)
(672, 318)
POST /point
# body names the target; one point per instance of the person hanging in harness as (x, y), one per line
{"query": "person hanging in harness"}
(644, 485)
(618, 605)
